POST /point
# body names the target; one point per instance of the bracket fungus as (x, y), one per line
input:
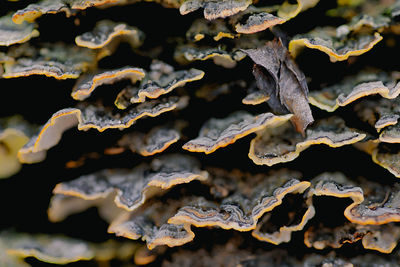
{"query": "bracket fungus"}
(14, 134)
(380, 205)
(161, 80)
(107, 35)
(135, 186)
(150, 224)
(155, 141)
(352, 88)
(283, 144)
(62, 206)
(185, 54)
(215, 9)
(382, 154)
(92, 117)
(217, 133)
(337, 48)
(244, 207)
(89, 81)
(107, 31)
(33, 11)
(183, 63)
(201, 28)
(269, 231)
(257, 22)
(381, 238)
(380, 115)
(53, 60)
(60, 250)
(255, 96)
(11, 33)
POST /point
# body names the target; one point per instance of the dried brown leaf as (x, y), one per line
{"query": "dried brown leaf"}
(283, 82)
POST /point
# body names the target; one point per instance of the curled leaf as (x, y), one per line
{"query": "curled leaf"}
(277, 74)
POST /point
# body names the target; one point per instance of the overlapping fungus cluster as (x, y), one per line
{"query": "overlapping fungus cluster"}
(121, 119)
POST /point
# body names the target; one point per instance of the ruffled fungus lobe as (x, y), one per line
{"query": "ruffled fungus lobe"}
(14, 134)
(11, 260)
(253, 196)
(391, 134)
(185, 54)
(337, 48)
(255, 96)
(336, 185)
(380, 206)
(161, 79)
(288, 10)
(268, 231)
(283, 144)
(382, 238)
(256, 19)
(150, 224)
(51, 249)
(217, 133)
(277, 74)
(62, 250)
(383, 115)
(382, 154)
(202, 28)
(215, 9)
(352, 88)
(107, 35)
(387, 158)
(90, 81)
(379, 114)
(11, 33)
(33, 11)
(92, 117)
(135, 186)
(258, 22)
(157, 140)
(62, 206)
(53, 60)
